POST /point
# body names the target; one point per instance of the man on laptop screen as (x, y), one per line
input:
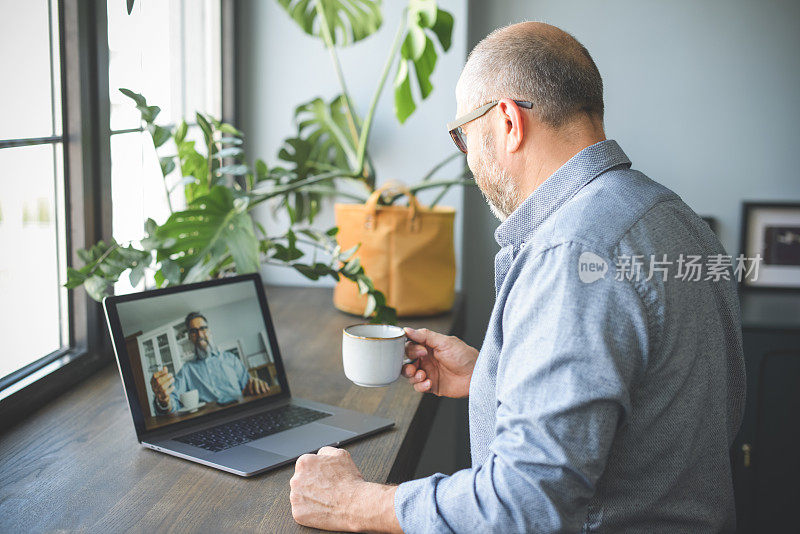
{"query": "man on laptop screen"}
(218, 376)
(198, 352)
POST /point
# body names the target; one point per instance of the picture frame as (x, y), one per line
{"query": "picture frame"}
(772, 229)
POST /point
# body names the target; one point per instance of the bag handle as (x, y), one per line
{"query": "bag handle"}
(372, 203)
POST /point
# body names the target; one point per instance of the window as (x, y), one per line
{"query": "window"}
(32, 218)
(69, 144)
(178, 68)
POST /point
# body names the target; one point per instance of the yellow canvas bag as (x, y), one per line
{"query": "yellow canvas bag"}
(407, 251)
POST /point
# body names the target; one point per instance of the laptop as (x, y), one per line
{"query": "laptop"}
(205, 381)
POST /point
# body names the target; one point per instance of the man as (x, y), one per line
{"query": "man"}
(217, 376)
(600, 401)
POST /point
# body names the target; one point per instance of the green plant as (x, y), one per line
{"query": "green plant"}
(330, 134)
(215, 234)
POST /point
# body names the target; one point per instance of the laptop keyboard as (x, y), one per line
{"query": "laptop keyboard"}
(251, 428)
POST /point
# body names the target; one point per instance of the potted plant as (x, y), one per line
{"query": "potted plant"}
(331, 136)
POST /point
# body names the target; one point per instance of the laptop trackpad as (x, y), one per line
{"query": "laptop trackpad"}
(302, 439)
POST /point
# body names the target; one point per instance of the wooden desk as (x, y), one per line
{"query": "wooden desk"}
(76, 464)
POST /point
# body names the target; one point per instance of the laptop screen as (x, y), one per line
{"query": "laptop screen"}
(197, 351)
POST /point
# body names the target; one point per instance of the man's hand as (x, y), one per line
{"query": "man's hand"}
(255, 386)
(328, 492)
(444, 365)
(163, 383)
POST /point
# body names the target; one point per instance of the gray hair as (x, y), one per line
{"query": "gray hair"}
(537, 63)
(194, 315)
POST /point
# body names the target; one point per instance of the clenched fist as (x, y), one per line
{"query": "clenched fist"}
(163, 383)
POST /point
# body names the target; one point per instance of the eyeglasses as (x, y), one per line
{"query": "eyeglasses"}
(195, 331)
(455, 127)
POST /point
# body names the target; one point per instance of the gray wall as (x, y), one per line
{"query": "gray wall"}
(702, 95)
(240, 321)
(280, 67)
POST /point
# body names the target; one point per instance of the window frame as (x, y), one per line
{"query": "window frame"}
(85, 136)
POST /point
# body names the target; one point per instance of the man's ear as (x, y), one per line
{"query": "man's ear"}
(513, 129)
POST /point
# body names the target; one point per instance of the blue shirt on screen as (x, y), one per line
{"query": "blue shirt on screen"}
(220, 377)
(597, 404)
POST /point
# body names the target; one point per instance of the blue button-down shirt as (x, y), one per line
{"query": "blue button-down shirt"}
(600, 401)
(220, 377)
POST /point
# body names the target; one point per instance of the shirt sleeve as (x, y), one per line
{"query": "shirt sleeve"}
(241, 371)
(570, 352)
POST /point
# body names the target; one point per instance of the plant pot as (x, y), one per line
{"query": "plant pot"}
(407, 251)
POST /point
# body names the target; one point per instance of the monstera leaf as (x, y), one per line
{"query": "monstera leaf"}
(324, 142)
(424, 20)
(200, 238)
(348, 21)
(324, 138)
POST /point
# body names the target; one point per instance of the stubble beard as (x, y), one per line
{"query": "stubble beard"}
(497, 186)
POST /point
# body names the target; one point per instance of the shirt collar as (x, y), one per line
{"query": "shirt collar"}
(561, 186)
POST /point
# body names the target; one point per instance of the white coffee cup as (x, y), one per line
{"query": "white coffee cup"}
(373, 354)
(190, 399)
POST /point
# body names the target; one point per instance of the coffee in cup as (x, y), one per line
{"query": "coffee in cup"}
(373, 354)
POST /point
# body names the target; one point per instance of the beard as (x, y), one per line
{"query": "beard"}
(497, 186)
(203, 353)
